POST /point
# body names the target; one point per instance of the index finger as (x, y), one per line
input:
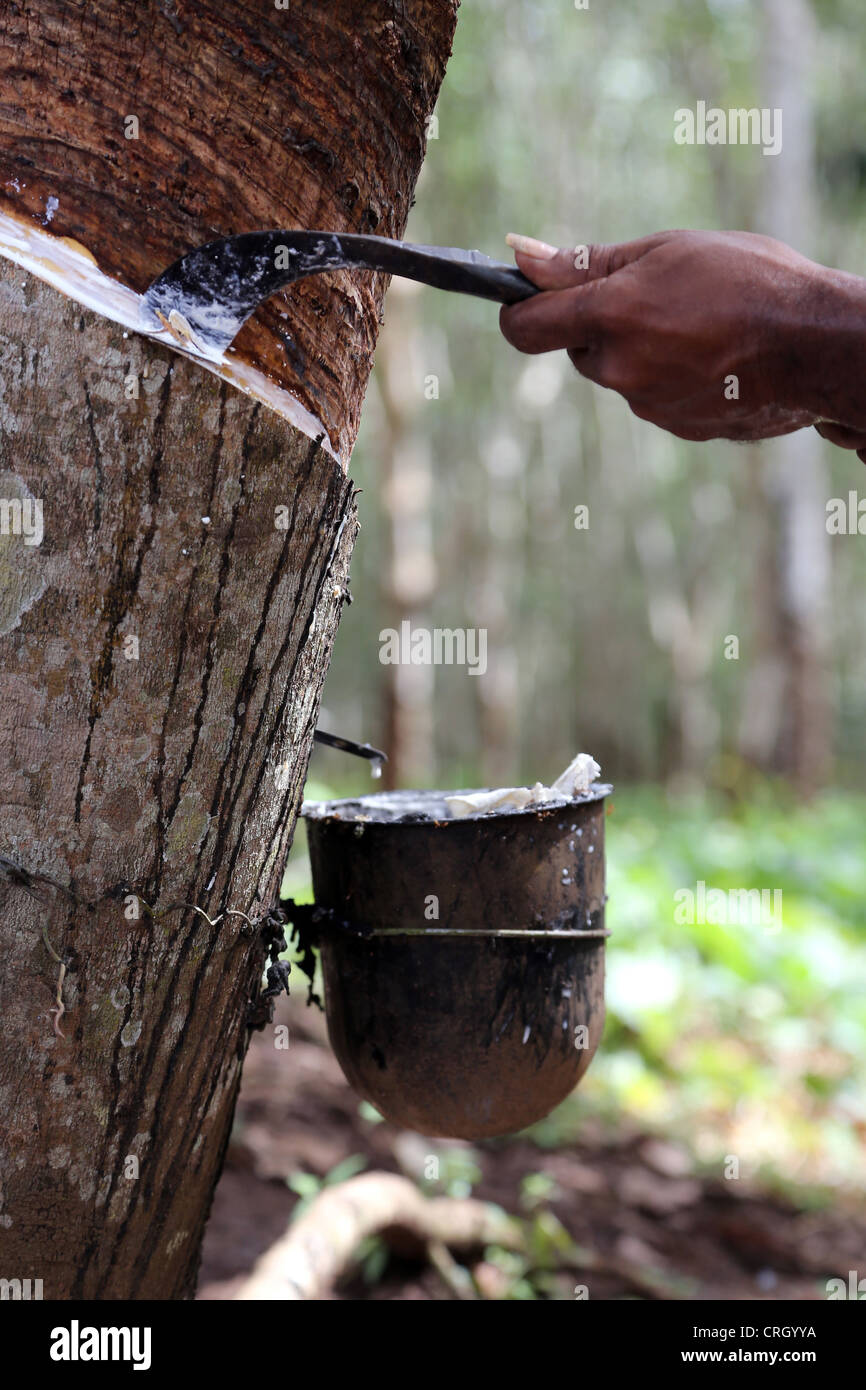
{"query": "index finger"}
(559, 269)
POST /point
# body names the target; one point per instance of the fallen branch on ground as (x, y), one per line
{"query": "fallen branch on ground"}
(308, 1260)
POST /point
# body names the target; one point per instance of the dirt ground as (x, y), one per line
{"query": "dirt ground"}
(637, 1201)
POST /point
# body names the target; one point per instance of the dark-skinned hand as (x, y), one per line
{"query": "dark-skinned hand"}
(710, 335)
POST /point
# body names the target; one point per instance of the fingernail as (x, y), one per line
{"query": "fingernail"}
(528, 246)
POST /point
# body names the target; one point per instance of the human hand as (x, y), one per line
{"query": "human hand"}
(706, 334)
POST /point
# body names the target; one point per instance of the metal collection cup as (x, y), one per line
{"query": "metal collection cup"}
(464, 985)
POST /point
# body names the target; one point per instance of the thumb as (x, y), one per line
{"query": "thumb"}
(552, 268)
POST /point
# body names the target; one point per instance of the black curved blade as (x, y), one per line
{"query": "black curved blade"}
(205, 297)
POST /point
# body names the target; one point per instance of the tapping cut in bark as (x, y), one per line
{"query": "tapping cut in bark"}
(247, 118)
(71, 268)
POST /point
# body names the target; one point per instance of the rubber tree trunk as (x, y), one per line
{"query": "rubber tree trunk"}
(162, 650)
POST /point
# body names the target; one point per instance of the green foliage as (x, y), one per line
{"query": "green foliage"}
(459, 1172)
(536, 1190)
(372, 1256)
(308, 1185)
(739, 1033)
(369, 1113)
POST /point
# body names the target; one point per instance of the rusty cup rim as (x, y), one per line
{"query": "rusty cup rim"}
(330, 810)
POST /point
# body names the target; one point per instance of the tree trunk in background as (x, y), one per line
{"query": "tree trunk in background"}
(684, 616)
(163, 649)
(498, 563)
(408, 567)
(794, 681)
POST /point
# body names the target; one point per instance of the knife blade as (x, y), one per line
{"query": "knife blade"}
(203, 299)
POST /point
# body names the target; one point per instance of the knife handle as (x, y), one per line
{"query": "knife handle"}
(442, 267)
(495, 280)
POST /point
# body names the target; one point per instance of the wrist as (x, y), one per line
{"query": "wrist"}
(829, 348)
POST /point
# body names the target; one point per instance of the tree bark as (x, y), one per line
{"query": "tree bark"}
(163, 648)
